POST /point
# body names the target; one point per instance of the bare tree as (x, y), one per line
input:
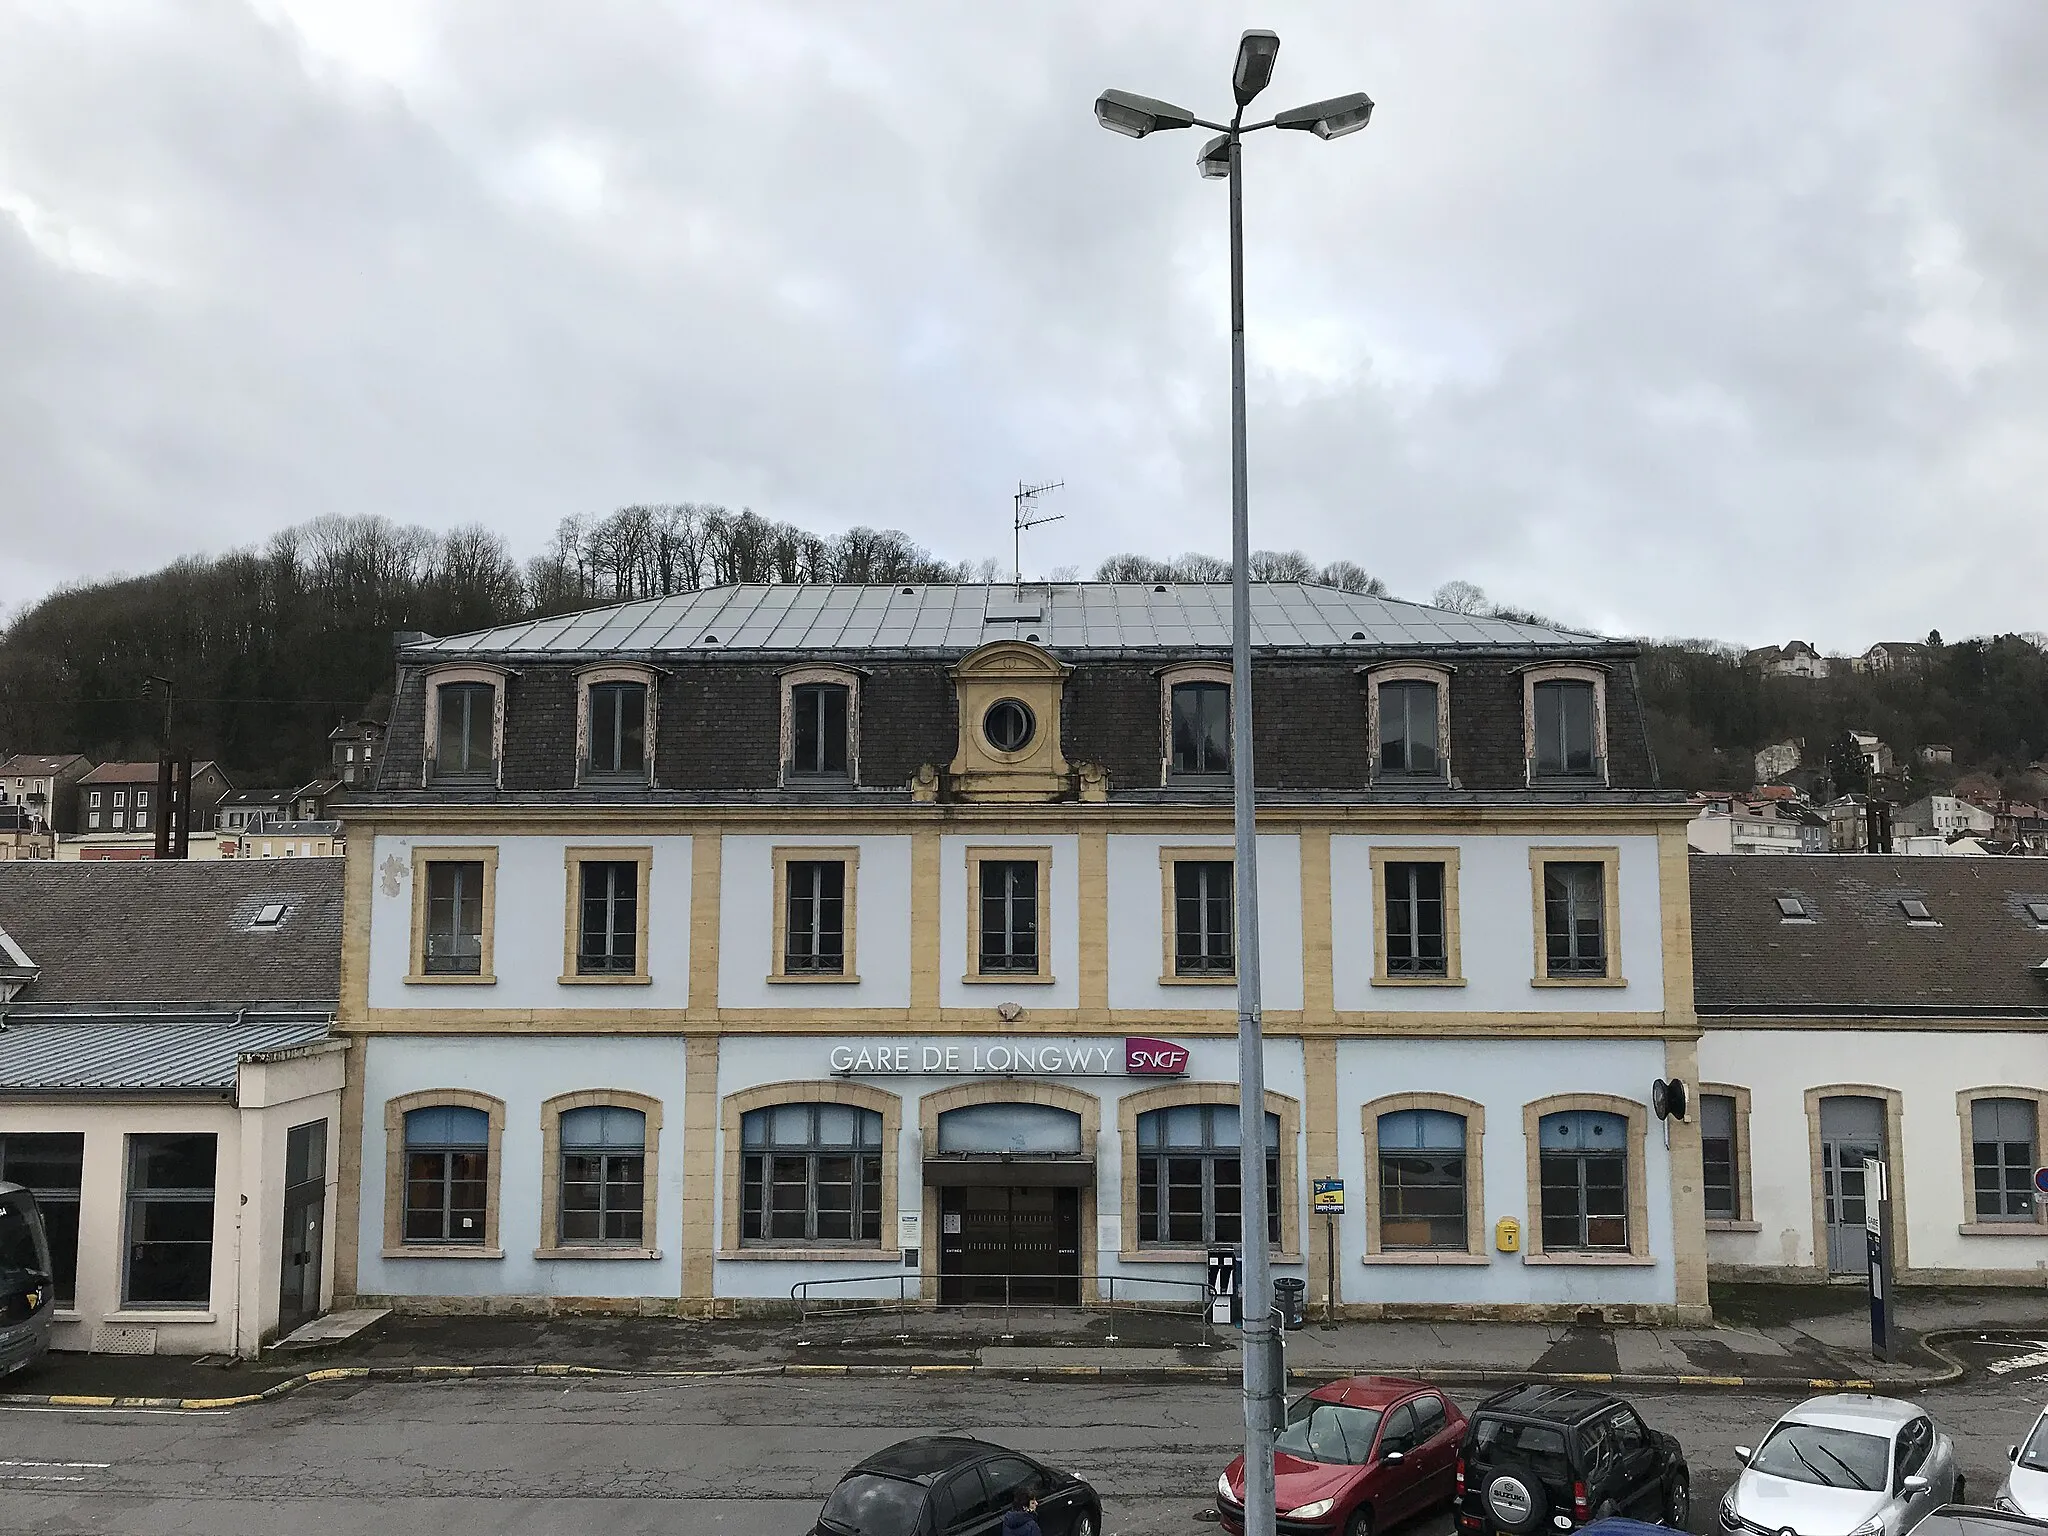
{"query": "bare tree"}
(1281, 565)
(1346, 576)
(1134, 568)
(1199, 567)
(1460, 597)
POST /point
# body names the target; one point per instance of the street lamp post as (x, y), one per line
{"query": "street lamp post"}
(1135, 117)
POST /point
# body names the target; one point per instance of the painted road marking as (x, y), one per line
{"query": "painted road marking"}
(219, 1413)
(69, 1466)
(2039, 1356)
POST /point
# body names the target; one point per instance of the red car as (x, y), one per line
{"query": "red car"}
(1356, 1456)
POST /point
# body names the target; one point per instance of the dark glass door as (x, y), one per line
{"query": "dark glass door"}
(305, 1211)
(1015, 1242)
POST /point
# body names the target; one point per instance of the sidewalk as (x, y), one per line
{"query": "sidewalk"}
(1796, 1338)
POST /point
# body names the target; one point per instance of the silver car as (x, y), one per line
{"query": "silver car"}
(1847, 1465)
(2025, 1491)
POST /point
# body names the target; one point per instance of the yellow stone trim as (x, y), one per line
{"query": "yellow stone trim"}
(700, 1169)
(1674, 906)
(551, 1112)
(434, 679)
(1319, 1076)
(1318, 964)
(1009, 669)
(1638, 1118)
(1007, 1091)
(1688, 1179)
(1171, 677)
(829, 1090)
(1132, 1105)
(1436, 673)
(1574, 672)
(348, 1175)
(1011, 854)
(707, 849)
(1609, 860)
(395, 1111)
(1972, 1225)
(1894, 1155)
(926, 922)
(849, 855)
(1478, 1235)
(1092, 858)
(796, 677)
(618, 672)
(1218, 853)
(573, 860)
(1745, 1199)
(1381, 855)
(422, 857)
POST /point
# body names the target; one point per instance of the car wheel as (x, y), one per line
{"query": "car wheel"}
(1084, 1523)
(1360, 1523)
(1678, 1503)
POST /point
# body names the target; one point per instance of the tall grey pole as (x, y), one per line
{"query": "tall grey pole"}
(1261, 1389)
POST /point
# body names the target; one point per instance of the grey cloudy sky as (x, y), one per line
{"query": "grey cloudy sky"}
(1672, 318)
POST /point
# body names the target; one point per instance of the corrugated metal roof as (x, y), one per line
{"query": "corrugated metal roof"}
(1067, 616)
(125, 1054)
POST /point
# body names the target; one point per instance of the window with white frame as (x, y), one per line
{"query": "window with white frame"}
(169, 1250)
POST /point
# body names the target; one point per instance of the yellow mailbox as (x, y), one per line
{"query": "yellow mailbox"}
(1507, 1235)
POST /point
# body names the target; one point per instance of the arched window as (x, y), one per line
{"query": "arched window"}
(1041, 1130)
(1189, 1192)
(604, 1163)
(447, 1174)
(1584, 1172)
(811, 1173)
(1422, 1180)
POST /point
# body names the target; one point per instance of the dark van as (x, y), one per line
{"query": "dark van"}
(26, 1302)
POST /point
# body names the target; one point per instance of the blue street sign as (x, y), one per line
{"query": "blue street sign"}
(2041, 1180)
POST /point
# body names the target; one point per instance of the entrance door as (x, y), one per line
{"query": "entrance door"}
(1019, 1241)
(305, 1211)
(1851, 1129)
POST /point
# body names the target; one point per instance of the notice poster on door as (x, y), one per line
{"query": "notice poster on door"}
(952, 1223)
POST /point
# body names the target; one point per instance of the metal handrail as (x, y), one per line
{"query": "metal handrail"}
(1113, 1293)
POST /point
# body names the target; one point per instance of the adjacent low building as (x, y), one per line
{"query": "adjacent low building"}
(169, 1089)
(1873, 1006)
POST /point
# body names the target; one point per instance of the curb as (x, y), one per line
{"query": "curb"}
(1952, 1370)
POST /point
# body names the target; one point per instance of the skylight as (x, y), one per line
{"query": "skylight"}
(2038, 911)
(271, 915)
(1792, 909)
(1915, 910)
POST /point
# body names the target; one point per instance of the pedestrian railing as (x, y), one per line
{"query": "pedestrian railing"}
(901, 1296)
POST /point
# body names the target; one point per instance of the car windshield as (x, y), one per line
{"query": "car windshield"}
(2034, 1453)
(1833, 1458)
(867, 1505)
(1540, 1446)
(1333, 1432)
(21, 1259)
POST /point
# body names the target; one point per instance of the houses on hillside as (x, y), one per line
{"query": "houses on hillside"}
(45, 788)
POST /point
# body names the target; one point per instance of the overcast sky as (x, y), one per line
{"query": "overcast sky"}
(1713, 319)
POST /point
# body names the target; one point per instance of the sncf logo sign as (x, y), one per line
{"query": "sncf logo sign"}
(1145, 1057)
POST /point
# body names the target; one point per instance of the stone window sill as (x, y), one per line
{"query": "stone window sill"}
(1578, 981)
(604, 981)
(1189, 1256)
(1418, 981)
(810, 1255)
(825, 979)
(157, 1315)
(1006, 979)
(1428, 1260)
(1716, 1224)
(433, 1251)
(1204, 979)
(596, 1253)
(1593, 1260)
(2002, 1229)
(422, 980)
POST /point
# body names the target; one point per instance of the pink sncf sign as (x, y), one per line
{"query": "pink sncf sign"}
(1146, 1057)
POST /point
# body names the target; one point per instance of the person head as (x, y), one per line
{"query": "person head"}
(1024, 1498)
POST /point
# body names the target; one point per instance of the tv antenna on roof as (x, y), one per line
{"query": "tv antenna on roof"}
(1028, 516)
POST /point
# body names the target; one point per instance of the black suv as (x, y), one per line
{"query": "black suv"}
(953, 1485)
(1539, 1459)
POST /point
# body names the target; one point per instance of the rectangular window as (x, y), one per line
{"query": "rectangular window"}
(618, 730)
(1717, 1157)
(50, 1165)
(2003, 1136)
(1574, 920)
(1408, 720)
(608, 939)
(463, 731)
(1415, 920)
(1583, 1165)
(1422, 1180)
(818, 730)
(120, 797)
(170, 1221)
(811, 1173)
(95, 799)
(447, 1174)
(814, 934)
(1009, 917)
(1201, 728)
(1203, 918)
(1564, 745)
(604, 1172)
(1190, 1188)
(455, 918)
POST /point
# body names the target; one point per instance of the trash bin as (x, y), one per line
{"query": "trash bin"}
(1290, 1300)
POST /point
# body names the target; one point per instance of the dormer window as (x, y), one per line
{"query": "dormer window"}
(465, 723)
(1410, 720)
(1565, 715)
(821, 726)
(1194, 709)
(618, 729)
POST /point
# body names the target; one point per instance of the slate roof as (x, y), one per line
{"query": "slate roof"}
(25, 765)
(170, 931)
(157, 1052)
(1857, 954)
(1063, 616)
(134, 773)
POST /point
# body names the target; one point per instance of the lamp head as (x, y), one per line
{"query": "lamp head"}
(1330, 119)
(1135, 116)
(1256, 51)
(1214, 160)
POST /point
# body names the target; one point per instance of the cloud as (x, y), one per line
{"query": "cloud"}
(1701, 319)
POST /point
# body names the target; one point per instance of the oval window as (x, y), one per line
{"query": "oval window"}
(1008, 725)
